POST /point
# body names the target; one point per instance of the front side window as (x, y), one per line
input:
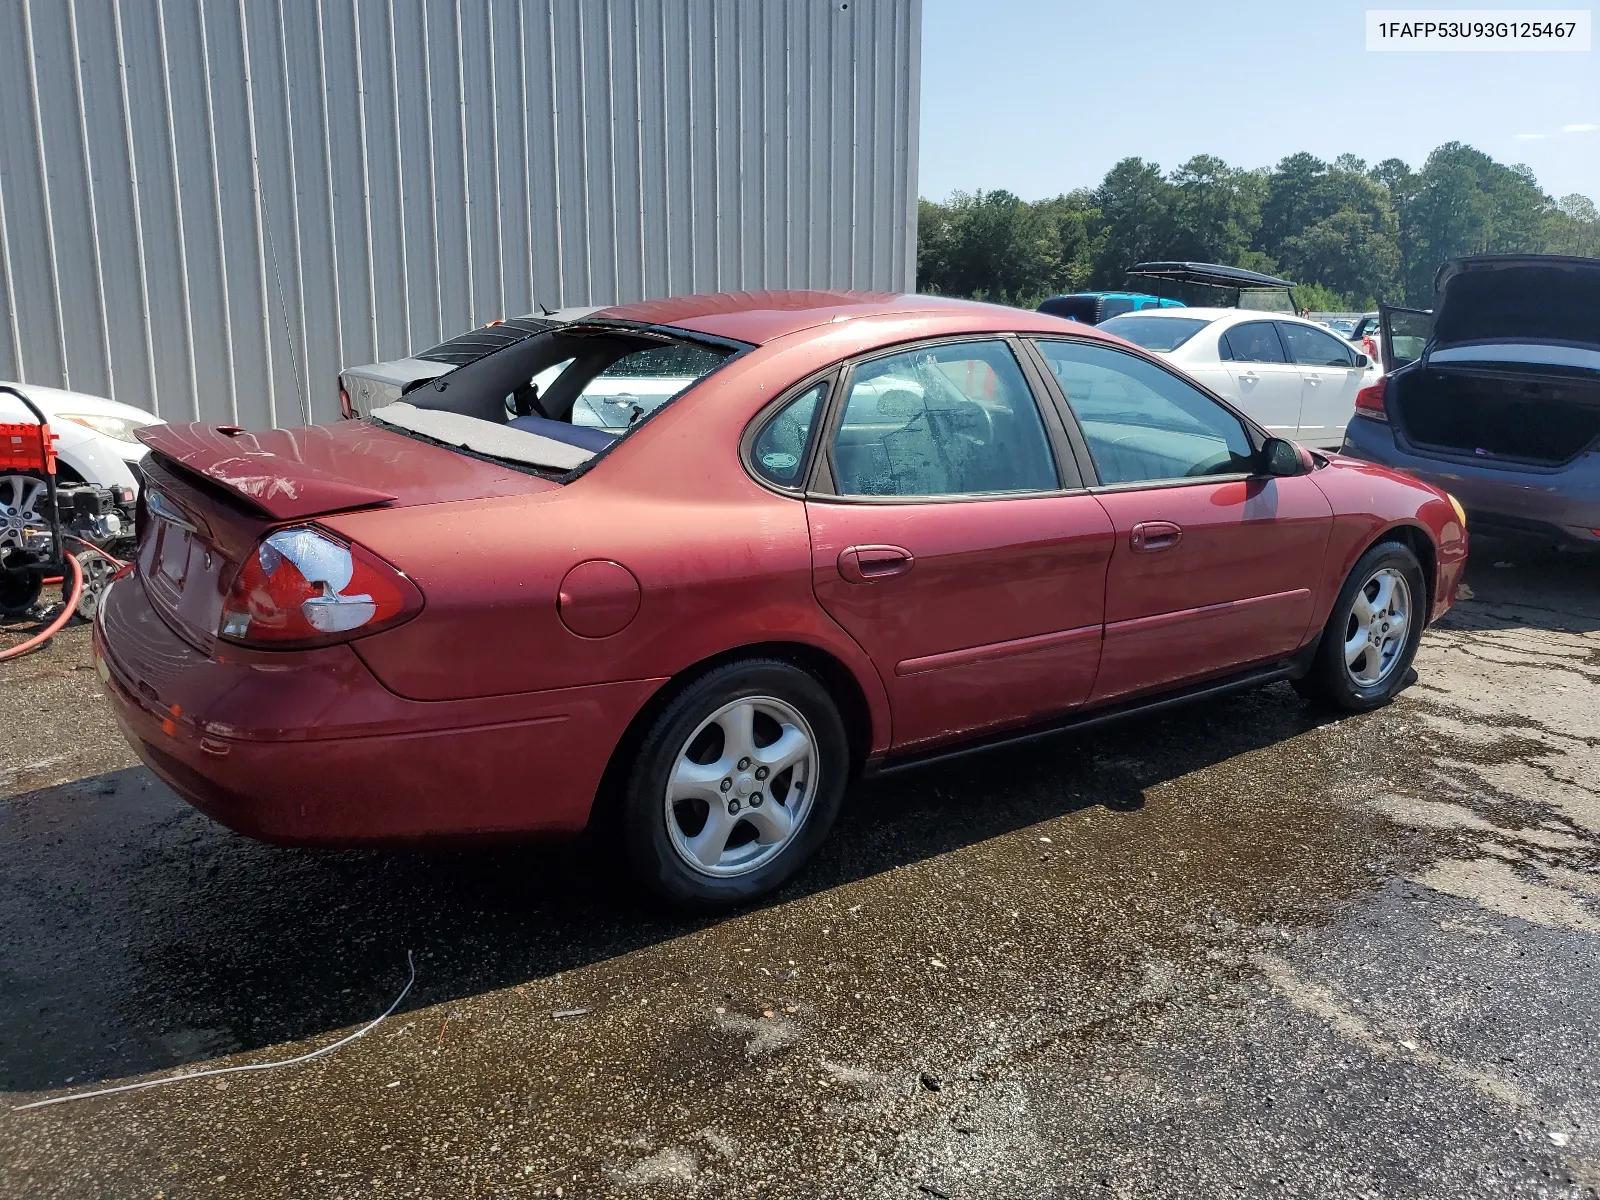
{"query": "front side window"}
(1253, 341)
(1310, 347)
(945, 420)
(1144, 424)
(779, 451)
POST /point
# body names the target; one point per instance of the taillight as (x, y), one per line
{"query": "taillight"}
(1369, 401)
(302, 587)
(345, 408)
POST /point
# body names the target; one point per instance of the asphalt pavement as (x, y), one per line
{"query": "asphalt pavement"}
(1238, 950)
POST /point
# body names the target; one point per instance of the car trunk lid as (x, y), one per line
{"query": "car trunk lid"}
(211, 493)
(1511, 300)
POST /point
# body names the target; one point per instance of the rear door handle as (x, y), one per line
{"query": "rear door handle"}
(864, 564)
(1150, 536)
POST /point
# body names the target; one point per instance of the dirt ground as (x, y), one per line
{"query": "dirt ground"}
(1241, 950)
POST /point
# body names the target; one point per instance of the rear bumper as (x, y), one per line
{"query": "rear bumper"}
(310, 749)
(1563, 504)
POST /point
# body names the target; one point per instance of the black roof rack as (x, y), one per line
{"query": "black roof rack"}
(1209, 275)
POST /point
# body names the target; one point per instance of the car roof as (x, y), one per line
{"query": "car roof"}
(760, 317)
(1232, 316)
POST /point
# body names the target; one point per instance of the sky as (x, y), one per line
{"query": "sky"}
(1042, 96)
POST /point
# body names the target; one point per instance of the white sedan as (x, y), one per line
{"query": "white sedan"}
(94, 436)
(1289, 374)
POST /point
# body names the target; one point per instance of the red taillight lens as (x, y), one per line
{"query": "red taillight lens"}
(1369, 401)
(345, 409)
(303, 587)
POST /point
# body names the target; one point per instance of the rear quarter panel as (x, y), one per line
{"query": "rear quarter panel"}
(1369, 502)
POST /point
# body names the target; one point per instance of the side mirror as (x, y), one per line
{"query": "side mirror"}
(1280, 457)
(1362, 362)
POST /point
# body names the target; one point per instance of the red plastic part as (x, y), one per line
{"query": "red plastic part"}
(30, 447)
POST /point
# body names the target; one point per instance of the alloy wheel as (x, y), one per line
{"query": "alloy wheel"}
(21, 497)
(1379, 623)
(741, 786)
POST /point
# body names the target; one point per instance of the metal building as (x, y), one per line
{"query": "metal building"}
(208, 206)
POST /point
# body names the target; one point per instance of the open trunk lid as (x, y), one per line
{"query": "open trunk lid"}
(1493, 303)
(211, 493)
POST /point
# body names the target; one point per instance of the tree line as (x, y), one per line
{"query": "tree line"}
(1349, 234)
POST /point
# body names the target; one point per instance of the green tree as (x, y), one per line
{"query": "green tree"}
(1136, 206)
(1216, 210)
(989, 246)
(1466, 203)
(1352, 235)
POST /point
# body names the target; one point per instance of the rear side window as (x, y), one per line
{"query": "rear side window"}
(947, 420)
(1254, 341)
(779, 451)
(1312, 348)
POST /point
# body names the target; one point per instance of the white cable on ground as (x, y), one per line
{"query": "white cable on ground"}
(266, 1066)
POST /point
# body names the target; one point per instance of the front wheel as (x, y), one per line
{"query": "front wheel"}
(736, 784)
(1372, 634)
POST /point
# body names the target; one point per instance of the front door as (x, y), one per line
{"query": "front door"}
(1330, 381)
(1402, 334)
(1266, 385)
(955, 547)
(1213, 566)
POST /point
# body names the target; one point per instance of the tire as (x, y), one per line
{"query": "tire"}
(1363, 683)
(709, 753)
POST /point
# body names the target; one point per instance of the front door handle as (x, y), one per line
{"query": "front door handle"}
(1248, 376)
(1150, 536)
(865, 564)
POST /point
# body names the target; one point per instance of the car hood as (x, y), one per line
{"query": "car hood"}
(55, 401)
(1532, 298)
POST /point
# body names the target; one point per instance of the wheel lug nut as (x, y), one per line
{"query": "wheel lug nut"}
(761, 772)
(733, 808)
(755, 799)
(726, 784)
(744, 764)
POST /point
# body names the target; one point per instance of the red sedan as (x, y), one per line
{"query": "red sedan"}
(837, 533)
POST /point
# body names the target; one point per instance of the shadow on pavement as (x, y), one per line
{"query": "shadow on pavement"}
(141, 936)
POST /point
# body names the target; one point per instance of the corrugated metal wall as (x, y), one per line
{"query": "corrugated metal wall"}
(208, 206)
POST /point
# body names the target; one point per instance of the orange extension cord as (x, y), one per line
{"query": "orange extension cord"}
(68, 607)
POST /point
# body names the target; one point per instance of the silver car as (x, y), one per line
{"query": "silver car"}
(373, 385)
(1495, 395)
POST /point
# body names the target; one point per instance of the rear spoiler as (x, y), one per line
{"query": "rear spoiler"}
(264, 470)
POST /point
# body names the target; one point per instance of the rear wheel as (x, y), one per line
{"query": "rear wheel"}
(1372, 634)
(736, 784)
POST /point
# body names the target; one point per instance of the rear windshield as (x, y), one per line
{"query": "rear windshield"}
(553, 400)
(1155, 333)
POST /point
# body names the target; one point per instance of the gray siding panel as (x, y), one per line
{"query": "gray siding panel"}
(208, 206)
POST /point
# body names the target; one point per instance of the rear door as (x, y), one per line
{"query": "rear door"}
(952, 538)
(1213, 565)
(1266, 385)
(1329, 380)
(1402, 333)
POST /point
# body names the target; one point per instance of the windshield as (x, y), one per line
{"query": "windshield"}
(555, 400)
(1155, 333)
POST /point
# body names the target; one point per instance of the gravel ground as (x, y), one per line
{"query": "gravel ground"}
(1239, 950)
